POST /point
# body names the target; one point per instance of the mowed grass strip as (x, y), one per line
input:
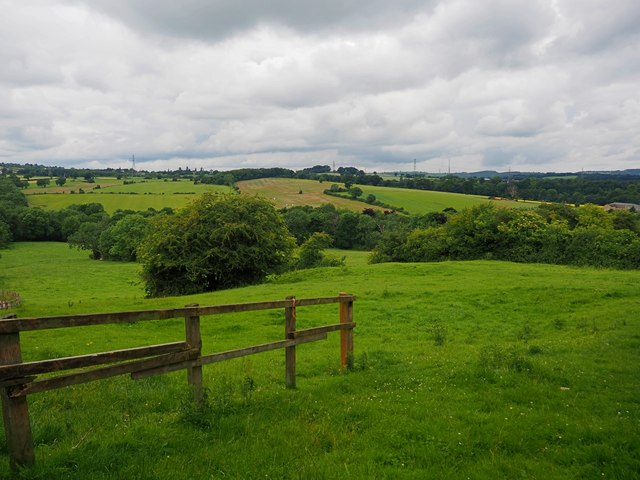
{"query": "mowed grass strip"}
(462, 370)
(285, 192)
(114, 195)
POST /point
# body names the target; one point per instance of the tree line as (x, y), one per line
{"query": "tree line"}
(577, 189)
(88, 226)
(220, 241)
(554, 233)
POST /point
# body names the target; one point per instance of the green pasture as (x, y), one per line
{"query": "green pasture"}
(425, 201)
(462, 370)
(114, 195)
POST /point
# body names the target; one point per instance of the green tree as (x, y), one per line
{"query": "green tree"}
(34, 225)
(42, 182)
(5, 234)
(218, 241)
(355, 192)
(87, 237)
(298, 221)
(60, 181)
(121, 240)
(311, 253)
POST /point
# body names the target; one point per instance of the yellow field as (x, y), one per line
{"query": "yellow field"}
(285, 192)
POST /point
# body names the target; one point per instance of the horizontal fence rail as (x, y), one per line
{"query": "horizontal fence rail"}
(19, 379)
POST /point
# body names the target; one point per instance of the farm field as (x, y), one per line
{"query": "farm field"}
(425, 201)
(462, 370)
(114, 195)
(285, 192)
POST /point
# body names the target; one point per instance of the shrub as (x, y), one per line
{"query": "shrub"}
(218, 241)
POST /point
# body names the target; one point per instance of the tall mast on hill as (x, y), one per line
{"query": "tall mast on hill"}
(133, 162)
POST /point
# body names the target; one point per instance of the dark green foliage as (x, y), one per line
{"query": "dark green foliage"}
(87, 237)
(120, 241)
(349, 229)
(553, 234)
(311, 254)
(5, 234)
(34, 224)
(216, 242)
(355, 192)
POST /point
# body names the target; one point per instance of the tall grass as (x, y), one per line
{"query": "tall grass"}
(535, 376)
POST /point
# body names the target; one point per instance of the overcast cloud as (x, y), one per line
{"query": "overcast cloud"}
(544, 85)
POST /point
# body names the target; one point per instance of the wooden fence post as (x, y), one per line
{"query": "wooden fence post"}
(15, 411)
(290, 352)
(194, 340)
(346, 336)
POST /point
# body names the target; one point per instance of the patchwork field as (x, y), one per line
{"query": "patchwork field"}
(114, 195)
(286, 192)
(463, 370)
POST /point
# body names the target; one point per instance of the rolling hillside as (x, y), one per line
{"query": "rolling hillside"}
(476, 369)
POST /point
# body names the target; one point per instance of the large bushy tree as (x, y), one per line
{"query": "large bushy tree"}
(218, 241)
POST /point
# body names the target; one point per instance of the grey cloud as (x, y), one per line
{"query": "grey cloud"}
(545, 84)
(217, 19)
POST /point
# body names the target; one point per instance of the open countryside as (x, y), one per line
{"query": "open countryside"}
(461, 369)
(456, 376)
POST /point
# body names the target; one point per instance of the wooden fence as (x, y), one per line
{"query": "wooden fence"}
(19, 379)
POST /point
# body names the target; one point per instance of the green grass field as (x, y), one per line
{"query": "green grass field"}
(424, 201)
(463, 370)
(114, 195)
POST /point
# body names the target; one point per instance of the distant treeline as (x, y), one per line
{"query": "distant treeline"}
(553, 233)
(599, 189)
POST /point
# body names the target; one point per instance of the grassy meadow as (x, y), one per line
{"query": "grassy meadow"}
(113, 194)
(462, 370)
(425, 201)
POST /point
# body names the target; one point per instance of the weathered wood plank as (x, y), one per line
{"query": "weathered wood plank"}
(100, 373)
(228, 355)
(15, 411)
(194, 373)
(326, 328)
(63, 321)
(290, 352)
(346, 336)
(307, 302)
(88, 360)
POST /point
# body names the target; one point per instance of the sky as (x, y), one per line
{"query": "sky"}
(455, 85)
